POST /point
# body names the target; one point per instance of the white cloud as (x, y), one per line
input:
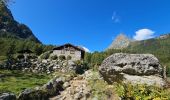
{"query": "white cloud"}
(143, 34)
(86, 49)
(115, 18)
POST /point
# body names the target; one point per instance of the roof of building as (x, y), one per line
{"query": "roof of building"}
(68, 44)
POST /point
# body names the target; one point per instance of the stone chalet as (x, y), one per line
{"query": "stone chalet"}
(76, 52)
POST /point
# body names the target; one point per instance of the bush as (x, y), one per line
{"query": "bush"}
(55, 57)
(20, 56)
(141, 92)
(78, 62)
(32, 56)
(62, 57)
(45, 55)
(69, 57)
(81, 66)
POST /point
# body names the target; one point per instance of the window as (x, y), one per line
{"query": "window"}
(72, 51)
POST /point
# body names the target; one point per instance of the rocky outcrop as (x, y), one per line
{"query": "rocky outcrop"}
(31, 94)
(76, 89)
(134, 68)
(165, 36)
(7, 96)
(120, 42)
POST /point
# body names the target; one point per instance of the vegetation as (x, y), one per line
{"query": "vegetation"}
(100, 89)
(19, 44)
(55, 57)
(103, 91)
(69, 57)
(62, 57)
(45, 55)
(16, 81)
(141, 92)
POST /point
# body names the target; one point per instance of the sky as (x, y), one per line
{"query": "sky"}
(93, 24)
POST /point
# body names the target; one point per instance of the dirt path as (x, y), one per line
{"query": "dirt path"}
(77, 89)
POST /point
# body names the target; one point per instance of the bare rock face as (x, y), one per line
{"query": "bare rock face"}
(134, 68)
(121, 41)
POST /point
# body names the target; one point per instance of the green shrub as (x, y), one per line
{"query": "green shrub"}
(78, 62)
(142, 92)
(69, 57)
(32, 56)
(55, 57)
(20, 56)
(45, 55)
(62, 57)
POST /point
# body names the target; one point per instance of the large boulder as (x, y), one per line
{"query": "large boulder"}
(133, 68)
(7, 96)
(32, 94)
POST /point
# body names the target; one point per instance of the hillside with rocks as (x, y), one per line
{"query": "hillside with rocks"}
(9, 27)
(126, 70)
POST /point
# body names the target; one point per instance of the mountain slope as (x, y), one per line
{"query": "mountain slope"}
(11, 28)
(159, 46)
(120, 42)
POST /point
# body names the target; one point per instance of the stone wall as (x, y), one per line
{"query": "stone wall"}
(75, 56)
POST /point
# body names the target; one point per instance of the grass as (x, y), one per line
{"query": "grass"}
(2, 58)
(100, 89)
(16, 81)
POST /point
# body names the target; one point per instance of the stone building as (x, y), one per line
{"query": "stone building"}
(76, 52)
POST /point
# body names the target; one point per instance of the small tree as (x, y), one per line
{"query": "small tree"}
(45, 55)
(55, 57)
(38, 49)
(10, 52)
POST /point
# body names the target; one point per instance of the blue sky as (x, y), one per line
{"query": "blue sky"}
(93, 23)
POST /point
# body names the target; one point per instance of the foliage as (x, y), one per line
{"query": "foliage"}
(69, 57)
(126, 91)
(94, 59)
(10, 51)
(45, 55)
(81, 66)
(55, 57)
(20, 44)
(141, 92)
(62, 57)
